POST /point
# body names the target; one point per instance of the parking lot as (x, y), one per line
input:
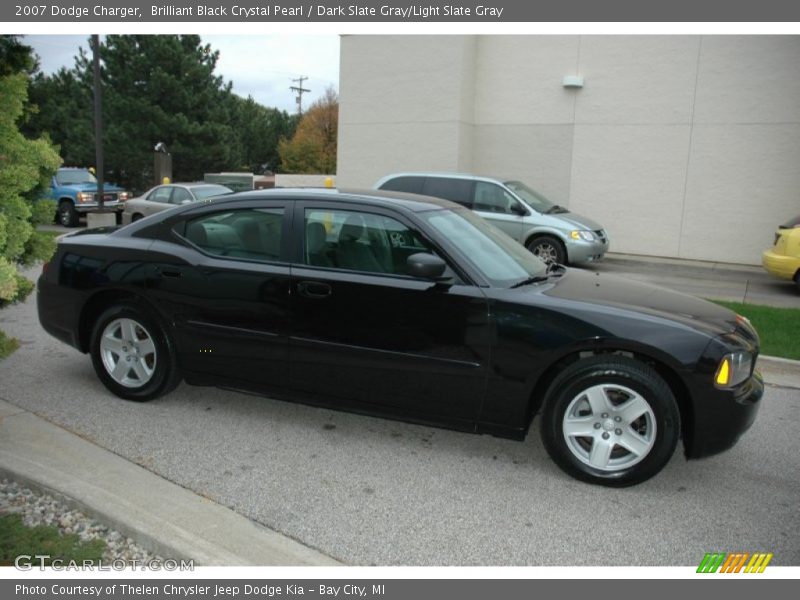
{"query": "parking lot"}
(370, 491)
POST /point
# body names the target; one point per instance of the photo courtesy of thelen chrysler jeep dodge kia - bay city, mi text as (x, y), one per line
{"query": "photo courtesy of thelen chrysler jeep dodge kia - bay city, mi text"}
(408, 307)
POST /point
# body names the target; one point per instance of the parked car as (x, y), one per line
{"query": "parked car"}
(75, 191)
(408, 307)
(548, 230)
(166, 196)
(783, 260)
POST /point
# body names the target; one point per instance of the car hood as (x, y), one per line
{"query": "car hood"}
(598, 289)
(578, 221)
(91, 187)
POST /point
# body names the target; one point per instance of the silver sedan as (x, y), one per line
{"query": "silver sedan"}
(168, 195)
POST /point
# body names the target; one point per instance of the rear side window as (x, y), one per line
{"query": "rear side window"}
(408, 184)
(160, 194)
(247, 233)
(456, 190)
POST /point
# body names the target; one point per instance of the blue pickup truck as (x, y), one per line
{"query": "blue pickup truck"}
(75, 192)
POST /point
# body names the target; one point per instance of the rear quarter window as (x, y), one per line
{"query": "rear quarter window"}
(408, 184)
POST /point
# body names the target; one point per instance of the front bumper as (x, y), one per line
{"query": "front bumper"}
(83, 207)
(582, 251)
(722, 416)
(780, 265)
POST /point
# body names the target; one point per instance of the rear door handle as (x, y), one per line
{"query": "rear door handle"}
(314, 289)
(170, 273)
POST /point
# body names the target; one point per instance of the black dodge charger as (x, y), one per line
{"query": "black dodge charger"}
(408, 307)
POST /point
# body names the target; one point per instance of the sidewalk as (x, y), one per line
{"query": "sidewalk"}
(159, 515)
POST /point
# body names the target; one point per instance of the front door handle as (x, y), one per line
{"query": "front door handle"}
(314, 289)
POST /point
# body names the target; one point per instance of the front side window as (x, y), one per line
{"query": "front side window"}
(502, 261)
(253, 234)
(359, 241)
(490, 197)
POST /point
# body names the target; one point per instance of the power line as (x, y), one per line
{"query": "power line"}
(300, 90)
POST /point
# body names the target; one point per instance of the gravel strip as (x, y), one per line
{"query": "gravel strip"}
(42, 509)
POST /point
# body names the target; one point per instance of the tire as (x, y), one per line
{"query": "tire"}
(136, 217)
(152, 368)
(67, 215)
(617, 399)
(797, 280)
(548, 248)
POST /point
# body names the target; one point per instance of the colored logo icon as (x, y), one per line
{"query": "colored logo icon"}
(734, 562)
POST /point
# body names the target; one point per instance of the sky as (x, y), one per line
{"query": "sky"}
(260, 66)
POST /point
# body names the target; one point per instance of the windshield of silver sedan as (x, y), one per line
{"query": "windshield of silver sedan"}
(501, 260)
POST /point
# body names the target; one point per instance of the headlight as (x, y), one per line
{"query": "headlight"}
(124, 195)
(733, 369)
(587, 236)
(85, 197)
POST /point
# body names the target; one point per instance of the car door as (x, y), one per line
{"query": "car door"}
(222, 276)
(499, 207)
(364, 333)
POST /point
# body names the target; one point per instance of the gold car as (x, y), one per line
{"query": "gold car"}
(783, 260)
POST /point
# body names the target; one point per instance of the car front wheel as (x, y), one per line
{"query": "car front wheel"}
(67, 215)
(610, 420)
(132, 353)
(549, 249)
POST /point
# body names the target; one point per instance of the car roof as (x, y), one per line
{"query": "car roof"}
(411, 202)
(471, 176)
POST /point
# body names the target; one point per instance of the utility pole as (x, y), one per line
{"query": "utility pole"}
(98, 120)
(300, 90)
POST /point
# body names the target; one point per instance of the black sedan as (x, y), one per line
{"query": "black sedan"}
(408, 307)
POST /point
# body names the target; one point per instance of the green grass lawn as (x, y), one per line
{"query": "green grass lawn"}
(17, 539)
(778, 328)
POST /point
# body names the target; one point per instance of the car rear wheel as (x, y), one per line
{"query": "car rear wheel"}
(797, 279)
(67, 215)
(548, 248)
(136, 217)
(132, 353)
(610, 420)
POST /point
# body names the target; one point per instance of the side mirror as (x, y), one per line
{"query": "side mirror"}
(425, 266)
(518, 209)
(186, 201)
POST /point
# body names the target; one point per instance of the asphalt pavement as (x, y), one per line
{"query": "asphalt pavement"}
(370, 491)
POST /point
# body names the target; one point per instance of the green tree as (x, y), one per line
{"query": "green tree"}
(156, 88)
(312, 149)
(26, 167)
(257, 131)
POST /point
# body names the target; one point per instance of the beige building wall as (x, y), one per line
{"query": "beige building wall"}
(682, 146)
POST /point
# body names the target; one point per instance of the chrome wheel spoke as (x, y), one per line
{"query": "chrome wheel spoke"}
(634, 443)
(146, 347)
(579, 427)
(598, 400)
(121, 370)
(113, 344)
(631, 410)
(601, 452)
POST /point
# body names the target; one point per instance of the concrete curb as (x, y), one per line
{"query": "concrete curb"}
(782, 372)
(159, 515)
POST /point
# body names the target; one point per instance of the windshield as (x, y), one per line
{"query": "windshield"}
(533, 198)
(72, 176)
(500, 259)
(207, 191)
